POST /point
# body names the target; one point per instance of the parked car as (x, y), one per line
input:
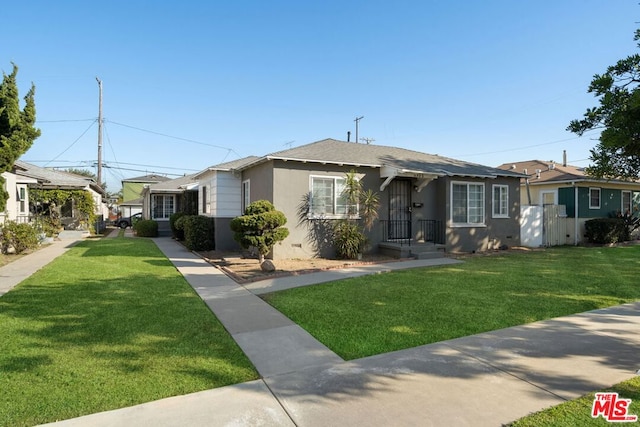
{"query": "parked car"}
(128, 221)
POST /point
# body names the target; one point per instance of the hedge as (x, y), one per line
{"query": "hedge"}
(146, 228)
(199, 232)
(606, 230)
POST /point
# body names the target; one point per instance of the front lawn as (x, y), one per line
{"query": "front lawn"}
(377, 314)
(578, 412)
(109, 324)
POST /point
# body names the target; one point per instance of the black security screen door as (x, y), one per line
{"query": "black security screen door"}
(399, 209)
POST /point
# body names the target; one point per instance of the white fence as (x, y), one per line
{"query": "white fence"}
(544, 226)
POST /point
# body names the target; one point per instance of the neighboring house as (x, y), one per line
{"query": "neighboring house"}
(162, 199)
(49, 179)
(223, 195)
(132, 193)
(17, 186)
(462, 206)
(579, 196)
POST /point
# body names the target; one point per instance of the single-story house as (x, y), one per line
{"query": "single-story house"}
(17, 186)
(161, 199)
(132, 200)
(424, 198)
(222, 195)
(37, 177)
(580, 197)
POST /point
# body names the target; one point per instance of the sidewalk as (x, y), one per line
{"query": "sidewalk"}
(18, 270)
(483, 380)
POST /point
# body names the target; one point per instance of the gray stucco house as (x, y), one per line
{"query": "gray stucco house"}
(424, 198)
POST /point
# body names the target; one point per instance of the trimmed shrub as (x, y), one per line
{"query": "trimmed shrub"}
(20, 237)
(177, 225)
(606, 230)
(261, 227)
(348, 239)
(146, 228)
(199, 232)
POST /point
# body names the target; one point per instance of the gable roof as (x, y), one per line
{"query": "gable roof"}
(50, 178)
(331, 151)
(147, 179)
(541, 172)
(187, 182)
(229, 166)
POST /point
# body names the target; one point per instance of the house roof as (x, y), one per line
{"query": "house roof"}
(147, 179)
(331, 151)
(548, 172)
(229, 166)
(51, 178)
(187, 182)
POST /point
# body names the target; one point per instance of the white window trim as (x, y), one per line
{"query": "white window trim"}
(623, 208)
(152, 210)
(311, 215)
(599, 198)
(484, 202)
(555, 196)
(246, 194)
(493, 207)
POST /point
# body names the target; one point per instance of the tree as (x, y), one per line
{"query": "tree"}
(261, 227)
(617, 155)
(17, 132)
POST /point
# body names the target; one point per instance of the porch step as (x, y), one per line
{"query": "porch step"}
(428, 255)
(413, 250)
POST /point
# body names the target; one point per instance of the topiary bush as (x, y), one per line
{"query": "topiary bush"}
(177, 225)
(261, 227)
(606, 230)
(20, 237)
(146, 228)
(199, 232)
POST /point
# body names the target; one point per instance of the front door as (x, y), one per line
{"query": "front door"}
(399, 209)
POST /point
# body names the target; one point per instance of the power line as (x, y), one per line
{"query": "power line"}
(72, 144)
(175, 137)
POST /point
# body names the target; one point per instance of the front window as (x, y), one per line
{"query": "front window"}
(204, 199)
(626, 203)
(162, 206)
(327, 198)
(246, 194)
(22, 196)
(467, 203)
(594, 198)
(501, 201)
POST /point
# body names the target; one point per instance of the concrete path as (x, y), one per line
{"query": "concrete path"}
(483, 380)
(18, 270)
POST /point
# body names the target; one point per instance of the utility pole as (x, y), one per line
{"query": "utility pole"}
(99, 133)
(357, 120)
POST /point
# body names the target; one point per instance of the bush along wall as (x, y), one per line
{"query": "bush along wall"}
(606, 230)
(146, 228)
(199, 232)
(177, 225)
(17, 238)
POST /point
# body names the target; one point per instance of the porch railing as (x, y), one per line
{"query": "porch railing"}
(431, 230)
(401, 231)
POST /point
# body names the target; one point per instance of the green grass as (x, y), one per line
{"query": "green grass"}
(578, 412)
(109, 324)
(376, 314)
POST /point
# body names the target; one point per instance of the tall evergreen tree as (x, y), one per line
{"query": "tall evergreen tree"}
(17, 131)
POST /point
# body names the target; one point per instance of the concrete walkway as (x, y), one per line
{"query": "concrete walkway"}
(483, 380)
(18, 270)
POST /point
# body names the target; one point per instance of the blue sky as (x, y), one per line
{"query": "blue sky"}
(190, 84)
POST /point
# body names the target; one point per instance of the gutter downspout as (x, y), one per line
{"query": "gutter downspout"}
(526, 181)
(575, 215)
